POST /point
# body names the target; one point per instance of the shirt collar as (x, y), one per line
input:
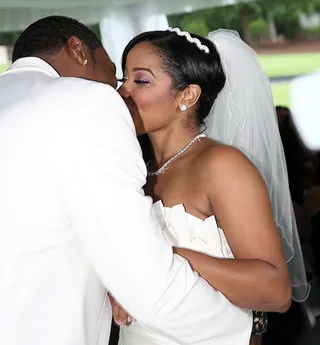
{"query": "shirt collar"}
(34, 62)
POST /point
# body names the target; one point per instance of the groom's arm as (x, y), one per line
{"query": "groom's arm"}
(102, 174)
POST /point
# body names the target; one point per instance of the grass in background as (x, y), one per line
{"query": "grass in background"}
(290, 64)
(3, 68)
(281, 94)
(280, 65)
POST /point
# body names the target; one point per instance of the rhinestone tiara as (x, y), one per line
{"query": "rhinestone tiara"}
(193, 40)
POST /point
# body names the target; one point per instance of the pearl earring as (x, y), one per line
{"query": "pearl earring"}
(85, 61)
(183, 107)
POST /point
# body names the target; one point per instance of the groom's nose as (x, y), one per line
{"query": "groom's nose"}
(123, 91)
(126, 96)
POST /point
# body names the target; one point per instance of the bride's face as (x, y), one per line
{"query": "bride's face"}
(147, 90)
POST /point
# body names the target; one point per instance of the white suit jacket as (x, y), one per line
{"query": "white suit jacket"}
(74, 219)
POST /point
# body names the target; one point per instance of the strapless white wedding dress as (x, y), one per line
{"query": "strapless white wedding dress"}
(184, 230)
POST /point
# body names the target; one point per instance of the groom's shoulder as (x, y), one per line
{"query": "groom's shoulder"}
(87, 91)
(78, 85)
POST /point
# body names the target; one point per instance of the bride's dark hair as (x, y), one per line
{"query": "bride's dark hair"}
(186, 64)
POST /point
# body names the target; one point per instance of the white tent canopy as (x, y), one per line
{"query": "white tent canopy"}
(17, 14)
(120, 20)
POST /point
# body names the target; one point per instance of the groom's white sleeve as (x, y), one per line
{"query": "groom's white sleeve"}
(102, 173)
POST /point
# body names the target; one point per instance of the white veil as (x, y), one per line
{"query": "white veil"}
(244, 116)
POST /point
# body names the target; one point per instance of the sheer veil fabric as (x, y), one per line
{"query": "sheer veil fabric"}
(244, 116)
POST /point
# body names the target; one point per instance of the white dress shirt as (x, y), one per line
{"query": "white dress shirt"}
(73, 219)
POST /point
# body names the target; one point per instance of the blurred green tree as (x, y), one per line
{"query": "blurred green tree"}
(280, 15)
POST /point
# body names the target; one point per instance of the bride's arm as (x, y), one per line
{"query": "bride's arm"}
(258, 278)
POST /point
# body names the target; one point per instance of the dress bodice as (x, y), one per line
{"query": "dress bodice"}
(187, 231)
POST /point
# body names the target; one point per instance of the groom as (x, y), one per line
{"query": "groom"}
(73, 216)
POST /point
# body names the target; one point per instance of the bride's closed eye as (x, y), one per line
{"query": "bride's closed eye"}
(137, 81)
(142, 81)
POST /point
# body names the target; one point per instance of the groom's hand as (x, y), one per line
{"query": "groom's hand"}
(120, 316)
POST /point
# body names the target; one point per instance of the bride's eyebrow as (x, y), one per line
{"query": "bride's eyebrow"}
(143, 69)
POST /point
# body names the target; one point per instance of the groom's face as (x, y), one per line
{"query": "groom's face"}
(97, 67)
(103, 69)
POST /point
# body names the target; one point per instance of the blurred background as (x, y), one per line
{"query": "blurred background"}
(286, 36)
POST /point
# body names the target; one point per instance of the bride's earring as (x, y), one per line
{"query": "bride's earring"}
(183, 107)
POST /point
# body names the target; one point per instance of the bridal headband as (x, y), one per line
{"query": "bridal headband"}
(193, 40)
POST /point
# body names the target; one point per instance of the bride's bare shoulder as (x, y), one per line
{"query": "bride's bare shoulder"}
(222, 162)
(215, 153)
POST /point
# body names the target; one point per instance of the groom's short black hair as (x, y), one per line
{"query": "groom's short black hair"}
(48, 35)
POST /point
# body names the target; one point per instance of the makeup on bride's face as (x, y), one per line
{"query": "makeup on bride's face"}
(143, 75)
(147, 89)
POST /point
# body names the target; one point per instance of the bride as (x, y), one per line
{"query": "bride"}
(185, 92)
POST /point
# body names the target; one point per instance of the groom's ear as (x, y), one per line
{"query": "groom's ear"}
(76, 50)
(190, 95)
